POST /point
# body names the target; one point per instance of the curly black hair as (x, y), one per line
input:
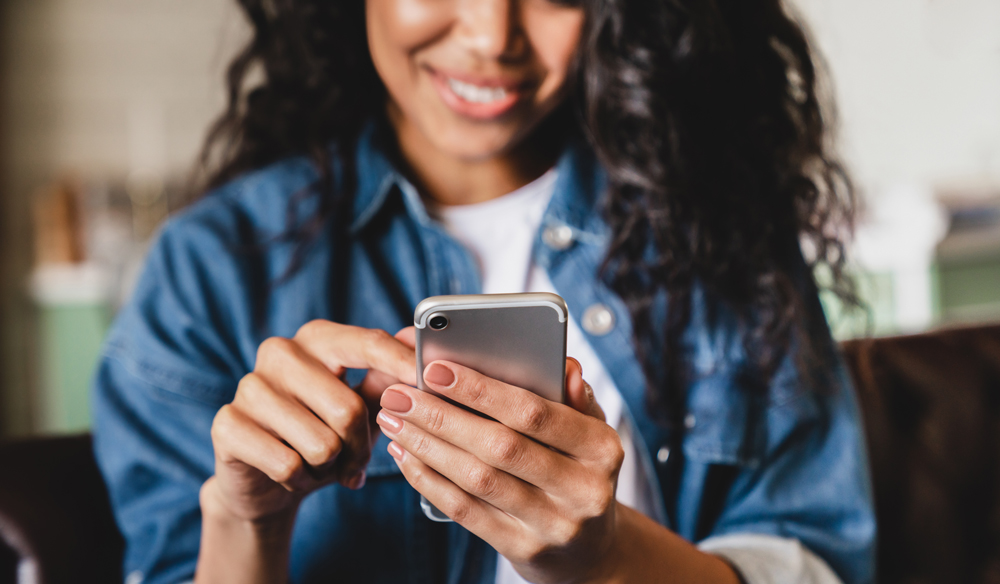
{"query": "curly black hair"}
(706, 115)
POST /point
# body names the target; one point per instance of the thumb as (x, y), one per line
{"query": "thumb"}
(407, 336)
(579, 394)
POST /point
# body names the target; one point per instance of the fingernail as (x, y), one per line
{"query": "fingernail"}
(438, 374)
(389, 423)
(357, 481)
(396, 451)
(578, 364)
(396, 401)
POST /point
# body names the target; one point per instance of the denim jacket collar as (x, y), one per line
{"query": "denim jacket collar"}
(581, 181)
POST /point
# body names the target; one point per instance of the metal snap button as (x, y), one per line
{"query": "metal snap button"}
(558, 237)
(598, 320)
(663, 455)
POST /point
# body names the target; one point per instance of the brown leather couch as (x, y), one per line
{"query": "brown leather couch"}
(931, 405)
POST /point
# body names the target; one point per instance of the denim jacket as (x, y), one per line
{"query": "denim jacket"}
(790, 463)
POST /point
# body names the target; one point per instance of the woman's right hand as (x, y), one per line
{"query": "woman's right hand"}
(294, 424)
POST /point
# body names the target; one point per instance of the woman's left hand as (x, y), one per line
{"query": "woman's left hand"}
(537, 482)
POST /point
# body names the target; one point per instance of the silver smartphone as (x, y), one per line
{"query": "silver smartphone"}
(519, 339)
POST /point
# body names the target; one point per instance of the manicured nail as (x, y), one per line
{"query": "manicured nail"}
(357, 481)
(396, 401)
(438, 374)
(396, 451)
(389, 423)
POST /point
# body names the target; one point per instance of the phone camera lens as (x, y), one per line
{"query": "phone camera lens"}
(439, 322)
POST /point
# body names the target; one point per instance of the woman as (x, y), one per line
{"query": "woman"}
(657, 163)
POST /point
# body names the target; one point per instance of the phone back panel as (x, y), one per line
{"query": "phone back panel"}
(519, 339)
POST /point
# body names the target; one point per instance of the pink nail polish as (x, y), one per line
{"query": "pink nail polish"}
(396, 451)
(396, 401)
(438, 374)
(389, 423)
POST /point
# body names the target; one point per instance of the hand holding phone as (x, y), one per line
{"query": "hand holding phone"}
(519, 339)
(532, 477)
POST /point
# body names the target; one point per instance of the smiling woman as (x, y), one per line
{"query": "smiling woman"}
(654, 163)
(469, 83)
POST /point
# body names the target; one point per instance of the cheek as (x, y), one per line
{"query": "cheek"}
(396, 29)
(555, 39)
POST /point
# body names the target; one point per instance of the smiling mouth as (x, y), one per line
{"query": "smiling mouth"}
(474, 93)
(478, 98)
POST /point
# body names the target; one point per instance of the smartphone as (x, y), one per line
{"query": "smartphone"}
(519, 339)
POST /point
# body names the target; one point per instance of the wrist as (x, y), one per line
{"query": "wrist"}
(240, 549)
(642, 550)
(617, 553)
(273, 527)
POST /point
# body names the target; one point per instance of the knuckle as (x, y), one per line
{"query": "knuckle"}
(602, 500)
(505, 449)
(534, 416)
(274, 346)
(273, 351)
(420, 445)
(613, 454)
(373, 340)
(483, 481)
(322, 450)
(222, 424)
(416, 477)
(457, 507)
(434, 419)
(251, 389)
(599, 498)
(477, 389)
(248, 380)
(564, 533)
(377, 336)
(353, 410)
(286, 468)
(311, 329)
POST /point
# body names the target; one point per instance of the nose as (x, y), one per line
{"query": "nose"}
(490, 28)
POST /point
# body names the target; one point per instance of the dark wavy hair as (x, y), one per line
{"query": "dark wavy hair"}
(705, 113)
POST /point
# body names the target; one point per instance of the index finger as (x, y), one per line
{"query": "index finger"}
(554, 424)
(340, 346)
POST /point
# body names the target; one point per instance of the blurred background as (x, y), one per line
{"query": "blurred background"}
(104, 103)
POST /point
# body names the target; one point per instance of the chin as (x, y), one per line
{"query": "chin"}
(476, 144)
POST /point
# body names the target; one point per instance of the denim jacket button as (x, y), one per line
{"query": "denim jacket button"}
(663, 454)
(558, 237)
(598, 320)
(689, 421)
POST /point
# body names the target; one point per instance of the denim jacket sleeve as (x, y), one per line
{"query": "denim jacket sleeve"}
(789, 461)
(171, 360)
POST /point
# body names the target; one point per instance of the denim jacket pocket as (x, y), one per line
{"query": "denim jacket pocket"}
(725, 422)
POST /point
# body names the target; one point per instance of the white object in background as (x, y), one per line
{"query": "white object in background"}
(898, 236)
(71, 284)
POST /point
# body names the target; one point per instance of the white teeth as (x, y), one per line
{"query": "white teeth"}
(475, 93)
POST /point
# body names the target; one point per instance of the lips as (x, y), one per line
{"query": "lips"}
(478, 98)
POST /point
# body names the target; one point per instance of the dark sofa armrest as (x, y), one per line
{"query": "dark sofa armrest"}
(55, 514)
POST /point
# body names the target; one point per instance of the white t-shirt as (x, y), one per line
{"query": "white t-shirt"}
(500, 233)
